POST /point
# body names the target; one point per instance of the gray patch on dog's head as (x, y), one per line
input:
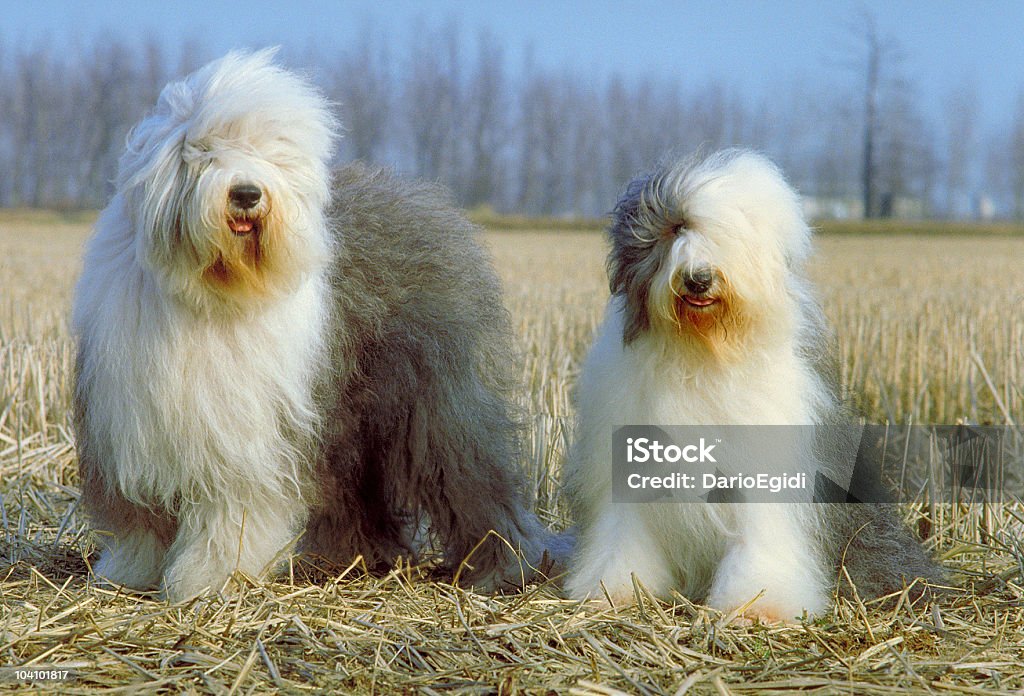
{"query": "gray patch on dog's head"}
(641, 233)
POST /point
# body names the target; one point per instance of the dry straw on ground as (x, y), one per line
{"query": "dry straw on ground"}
(931, 330)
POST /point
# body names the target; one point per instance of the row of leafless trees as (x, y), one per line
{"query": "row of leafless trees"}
(527, 139)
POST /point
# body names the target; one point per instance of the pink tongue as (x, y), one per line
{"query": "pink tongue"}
(240, 226)
(698, 301)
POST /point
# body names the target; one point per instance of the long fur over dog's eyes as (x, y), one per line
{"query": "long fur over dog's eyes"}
(711, 322)
(269, 352)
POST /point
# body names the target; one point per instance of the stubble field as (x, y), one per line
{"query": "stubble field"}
(930, 329)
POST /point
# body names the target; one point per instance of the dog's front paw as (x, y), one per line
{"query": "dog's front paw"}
(766, 606)
(131, 561)
(766, 615)
(191, 574)
(117, 571)
(509, 577)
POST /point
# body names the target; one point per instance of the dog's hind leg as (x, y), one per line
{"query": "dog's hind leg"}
(358, 517)
(465, 476)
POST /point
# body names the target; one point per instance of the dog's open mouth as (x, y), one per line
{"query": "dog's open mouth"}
(243, 226)
(699, 302)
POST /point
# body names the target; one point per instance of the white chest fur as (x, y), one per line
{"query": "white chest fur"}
(183, 406)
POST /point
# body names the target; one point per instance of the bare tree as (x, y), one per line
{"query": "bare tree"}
(961, 115)
(112, 100)
(874, 60)
(647, 120)
(487, 127)
(431, 101)
(543, 128)
(907, 165)
(361, 84)
(870, 56)
(590, 193)
(543, 142)
(6, 136)
(35, 81)
(1014, 171)
(191, 56)
(624, 128)
(834, 148)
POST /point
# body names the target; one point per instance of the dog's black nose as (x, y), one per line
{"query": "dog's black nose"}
(698, 281)
(245, 196)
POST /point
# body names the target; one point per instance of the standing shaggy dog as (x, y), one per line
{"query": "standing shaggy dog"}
(711, 323)
(265, 353)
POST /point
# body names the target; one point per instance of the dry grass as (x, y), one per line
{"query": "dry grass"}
(930, 330)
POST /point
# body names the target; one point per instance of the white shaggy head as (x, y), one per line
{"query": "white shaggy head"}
(225, 183)
(705, 249)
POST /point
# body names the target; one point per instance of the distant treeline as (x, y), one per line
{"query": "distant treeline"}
(448, 106)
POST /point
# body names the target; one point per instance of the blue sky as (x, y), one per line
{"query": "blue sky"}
(753, 47)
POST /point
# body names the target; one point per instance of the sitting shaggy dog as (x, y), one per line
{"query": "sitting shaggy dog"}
(266, 354)
(711, 323)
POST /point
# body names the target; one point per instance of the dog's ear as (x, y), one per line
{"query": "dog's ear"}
(636, 322)
(626, 280)
(632, 250)
(627, 209)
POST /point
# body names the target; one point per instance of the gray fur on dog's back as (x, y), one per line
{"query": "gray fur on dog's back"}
(878, 551)
(868, 543)
(417, 408)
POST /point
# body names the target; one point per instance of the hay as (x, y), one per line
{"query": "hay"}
(325, 629)
(351, 633)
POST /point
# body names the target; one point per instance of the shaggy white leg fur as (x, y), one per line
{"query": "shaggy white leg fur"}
(200, 314)
(618, 546)
(132, 560)
(772, 553)
(218, 538)
(710, 323)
